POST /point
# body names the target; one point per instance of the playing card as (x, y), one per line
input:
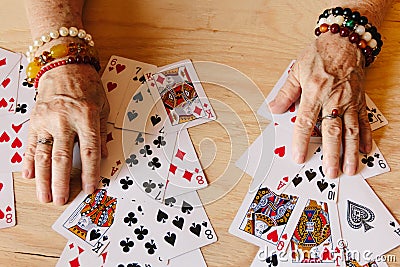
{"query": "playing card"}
(88, 218)
(26, 98)
(313, 233)
(185, 172)
(147, 163)
(118, 74)
(366, 224)
(7, 206)
(372, 164)
(375, 116)
(9, 92)
(195, 258)
(73, 255)
(263, 216)
(8, 60)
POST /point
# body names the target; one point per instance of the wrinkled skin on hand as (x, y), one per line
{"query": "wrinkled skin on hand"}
(71, 104)
(328, 75)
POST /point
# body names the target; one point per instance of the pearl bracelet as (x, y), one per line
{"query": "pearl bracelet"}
(54, 34)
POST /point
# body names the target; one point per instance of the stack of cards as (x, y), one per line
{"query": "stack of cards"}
(298, 216)
(146, 211)
(17, 98)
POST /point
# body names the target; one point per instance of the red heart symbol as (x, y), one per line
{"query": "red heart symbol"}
(4, 137)
(6, 82)
(273, 236)
(3, 62)
(8, 209)
(3, 103)
(1, 214)
(1, 186)
(286, 178)
(276, 124)
(119, 68)
(16, 158)
(111, 86)
(16, 128)
(284, 237)
(16, 143)
(292, 108)
(293, 119)
(280, 151)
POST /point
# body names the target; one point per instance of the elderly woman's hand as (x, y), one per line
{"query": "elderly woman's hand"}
(71, 104)
(329, 75)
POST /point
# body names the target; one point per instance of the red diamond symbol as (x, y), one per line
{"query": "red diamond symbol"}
(187, 175)
(196, 170)
(197, 110)
(109, 137)
(118, 162)
(160, 79)
(205, 105)
(180, 154)
(172, 168)
(75, 262)
(71, 246)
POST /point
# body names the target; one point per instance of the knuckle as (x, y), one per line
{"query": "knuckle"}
(61, 156)
(42, 159)
(304, 124)
(351, 132)
(332, 131)
(90, 152)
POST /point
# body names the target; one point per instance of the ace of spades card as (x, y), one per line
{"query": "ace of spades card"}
(7, 206)
(366, 224)
(88, 218)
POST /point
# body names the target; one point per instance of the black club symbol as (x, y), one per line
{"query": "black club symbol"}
(131, 160)
(146, 151)
(129, 265)
(151, 247)
(130, 219)
(126, 182)
(141, 232)
(368, 160)
(154, 163)
(126, 245)
(149, 186)
(25, 83)
(159, 142)
(376, 155)
(21, 108)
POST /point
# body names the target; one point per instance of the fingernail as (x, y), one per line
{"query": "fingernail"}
(90, 188)
(332, 172)
(350, 169)
(59, 201)
(43, 197)
(25, 173)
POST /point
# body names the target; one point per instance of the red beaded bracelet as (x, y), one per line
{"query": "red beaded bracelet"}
(70, 60)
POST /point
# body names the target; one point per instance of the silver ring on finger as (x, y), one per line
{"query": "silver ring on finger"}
(334, 114)
(45, 141)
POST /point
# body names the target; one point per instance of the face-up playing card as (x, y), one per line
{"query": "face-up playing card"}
(119, 73)
(366, 223)
(312, 181)
(147, 163)
(185, 172)
(74, 255)
(375, 116)
(88, 218)
(313, 233)
(372, 164)
(26, 98)
(195, 258)
(8, 60)
(7, 206)
(263, 216)
(8, 92)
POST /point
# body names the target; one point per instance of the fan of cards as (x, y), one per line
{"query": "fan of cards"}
(299, 217)
(146, 211)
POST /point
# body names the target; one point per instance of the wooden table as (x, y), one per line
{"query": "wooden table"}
(258, 38)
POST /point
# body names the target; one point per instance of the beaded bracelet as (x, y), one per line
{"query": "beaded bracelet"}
(355, 27)
(54, 34)
(70, 60)
(57, 52)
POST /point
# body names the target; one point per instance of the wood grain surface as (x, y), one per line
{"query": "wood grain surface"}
(254, 40)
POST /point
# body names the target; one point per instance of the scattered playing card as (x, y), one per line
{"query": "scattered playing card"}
(7, 206)
(73, 256)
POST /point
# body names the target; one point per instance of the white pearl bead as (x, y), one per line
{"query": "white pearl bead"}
(339, 20)
(360, 30)
(330, 19)
(322, 21)
(38, 42)
(91, 43)
(54, 34)
(73, 31)
(63, 31)
(31, 48)
(46, 38)
(373, 43)
(367, 36)
(81, 33)
(88, 38)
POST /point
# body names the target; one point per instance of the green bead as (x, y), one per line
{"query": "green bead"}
(350, 23)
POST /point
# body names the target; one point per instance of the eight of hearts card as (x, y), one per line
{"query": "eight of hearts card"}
(7, 206)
